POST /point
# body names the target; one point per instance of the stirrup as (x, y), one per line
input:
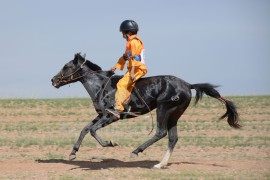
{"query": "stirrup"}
(130, 113)
(115, 113)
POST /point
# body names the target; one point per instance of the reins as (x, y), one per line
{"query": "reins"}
(94, 72)
(138, 93)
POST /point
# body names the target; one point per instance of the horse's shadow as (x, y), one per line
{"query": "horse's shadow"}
(98, 164)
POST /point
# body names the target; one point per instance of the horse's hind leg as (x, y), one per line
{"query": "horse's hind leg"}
(162, 117)
(173, 136)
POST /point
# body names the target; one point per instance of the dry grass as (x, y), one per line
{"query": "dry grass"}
(37, 135)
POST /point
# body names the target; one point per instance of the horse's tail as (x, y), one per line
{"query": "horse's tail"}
(209, 89)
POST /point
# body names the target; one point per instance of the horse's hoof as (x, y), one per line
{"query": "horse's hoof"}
(159, 166)
(113, 144)
(133, 155)
(72, 157)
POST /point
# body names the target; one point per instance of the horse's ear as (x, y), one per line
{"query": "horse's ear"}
(76, 58)
(77, 55)
(75, 61)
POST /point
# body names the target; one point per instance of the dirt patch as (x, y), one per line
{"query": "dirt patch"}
(35, 144)
(108, 163)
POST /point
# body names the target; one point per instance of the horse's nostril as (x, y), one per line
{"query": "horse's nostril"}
(52, 80)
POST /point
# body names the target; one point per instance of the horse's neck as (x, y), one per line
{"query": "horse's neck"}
(94, 84)
(90, 89)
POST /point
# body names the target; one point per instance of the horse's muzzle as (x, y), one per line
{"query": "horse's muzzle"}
(55, 82)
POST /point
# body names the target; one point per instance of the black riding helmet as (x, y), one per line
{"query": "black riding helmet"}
(129, 26)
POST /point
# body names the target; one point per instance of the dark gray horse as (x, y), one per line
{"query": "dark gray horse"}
(168, 94)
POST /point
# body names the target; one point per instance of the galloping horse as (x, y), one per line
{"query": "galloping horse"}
(169, 95)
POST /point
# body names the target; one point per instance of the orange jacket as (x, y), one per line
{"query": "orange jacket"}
(134, 47)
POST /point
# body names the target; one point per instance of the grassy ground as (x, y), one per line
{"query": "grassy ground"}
(37, 135)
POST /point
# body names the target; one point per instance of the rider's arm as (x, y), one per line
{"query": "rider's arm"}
(120, 64)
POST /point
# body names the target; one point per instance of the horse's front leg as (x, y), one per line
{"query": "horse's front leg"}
(162, 119)
(84, 131)
(104, 121)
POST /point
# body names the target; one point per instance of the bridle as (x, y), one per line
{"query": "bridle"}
(65, 80)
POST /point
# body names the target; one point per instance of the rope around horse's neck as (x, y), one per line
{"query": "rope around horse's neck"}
(101, 92)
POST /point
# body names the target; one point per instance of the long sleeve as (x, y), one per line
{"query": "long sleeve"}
(120, 64)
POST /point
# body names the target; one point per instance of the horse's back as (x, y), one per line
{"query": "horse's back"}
(165, 80)
(164, 88)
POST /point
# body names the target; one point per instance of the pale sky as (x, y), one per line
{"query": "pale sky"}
(224, 42)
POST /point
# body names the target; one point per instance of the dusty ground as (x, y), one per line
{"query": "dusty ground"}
(114, 163)
(251, 160)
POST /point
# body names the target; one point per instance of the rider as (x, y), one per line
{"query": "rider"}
(134, 55)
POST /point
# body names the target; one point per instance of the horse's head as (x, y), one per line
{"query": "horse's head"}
(73, 71)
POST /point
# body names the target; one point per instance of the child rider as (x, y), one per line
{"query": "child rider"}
(134, 55)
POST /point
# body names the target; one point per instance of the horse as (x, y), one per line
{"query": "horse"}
(169, 95)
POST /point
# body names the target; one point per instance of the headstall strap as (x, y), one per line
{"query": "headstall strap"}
(71, 75)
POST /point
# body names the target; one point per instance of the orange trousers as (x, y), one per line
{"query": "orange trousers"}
(124, 89)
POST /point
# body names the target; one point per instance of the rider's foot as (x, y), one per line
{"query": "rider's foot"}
(115, 112)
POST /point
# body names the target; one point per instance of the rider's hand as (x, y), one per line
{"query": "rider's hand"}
(113, 69)
(132, 77)
(125, 56)
(132, 74)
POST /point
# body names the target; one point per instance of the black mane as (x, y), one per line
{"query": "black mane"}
(94, 67)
